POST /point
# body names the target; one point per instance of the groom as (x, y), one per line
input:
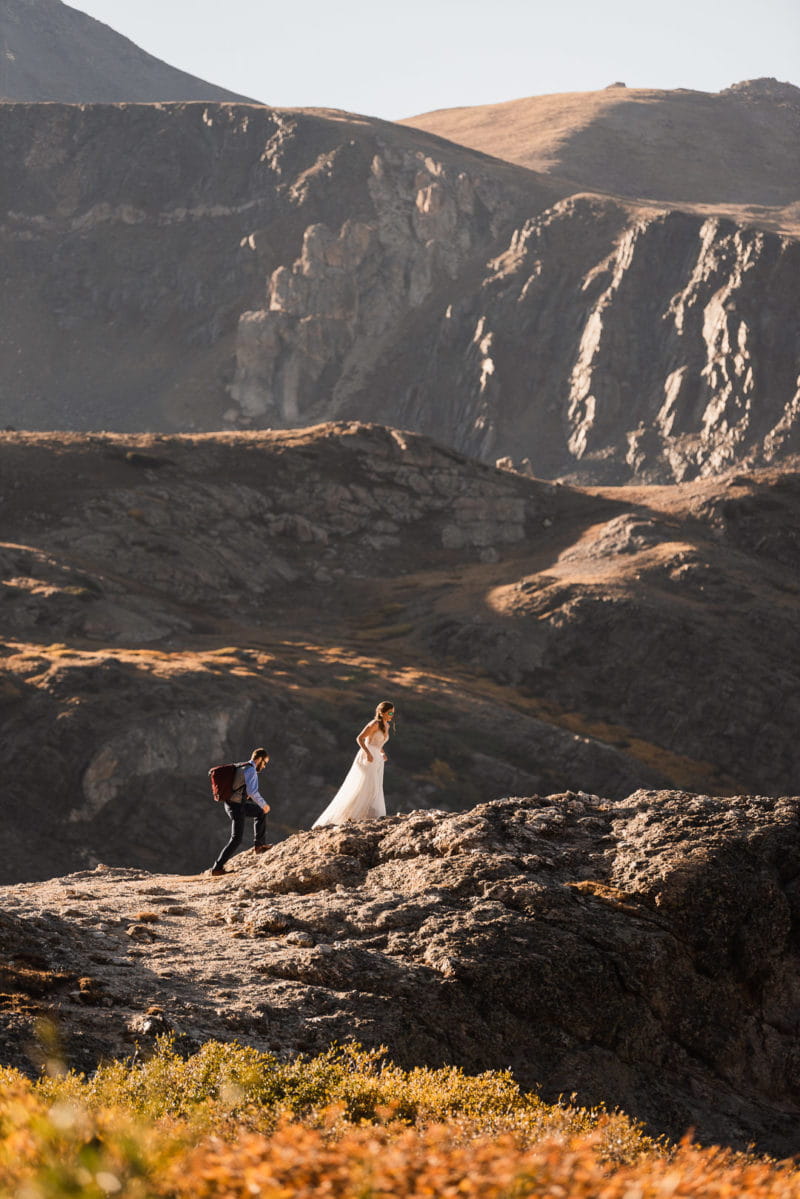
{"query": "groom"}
(246, 800)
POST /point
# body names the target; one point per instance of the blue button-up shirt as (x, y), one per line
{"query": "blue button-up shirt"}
(251, 785)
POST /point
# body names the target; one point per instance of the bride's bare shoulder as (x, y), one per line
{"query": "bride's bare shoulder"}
(369, 729)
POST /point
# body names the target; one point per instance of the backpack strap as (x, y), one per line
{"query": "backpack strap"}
(242, 790)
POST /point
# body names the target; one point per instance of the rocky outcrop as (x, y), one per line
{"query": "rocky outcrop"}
(640, 953)
(666, 622)
(51, 51)
(766, 88)
(331, 315)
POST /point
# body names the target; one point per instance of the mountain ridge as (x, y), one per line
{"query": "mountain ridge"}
(204, 265)
(731, 147)
(50, 51)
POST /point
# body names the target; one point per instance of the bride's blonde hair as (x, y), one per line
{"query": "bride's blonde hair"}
(383, 707)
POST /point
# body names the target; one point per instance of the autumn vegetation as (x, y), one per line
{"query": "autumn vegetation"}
(231, 1122)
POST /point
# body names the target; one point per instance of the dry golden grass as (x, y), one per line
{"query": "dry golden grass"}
(529, 131)
(230, 1123)
(641, 143)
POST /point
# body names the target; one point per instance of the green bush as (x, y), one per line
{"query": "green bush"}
(224, 1081)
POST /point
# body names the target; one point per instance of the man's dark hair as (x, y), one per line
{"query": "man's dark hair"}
(259, 753)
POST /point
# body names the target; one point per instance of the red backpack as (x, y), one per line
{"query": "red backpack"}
(221, 779)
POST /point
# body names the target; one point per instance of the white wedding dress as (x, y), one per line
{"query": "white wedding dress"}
(360, 796)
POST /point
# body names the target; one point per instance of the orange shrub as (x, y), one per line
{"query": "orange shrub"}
(230, 1123)
(398, 1162)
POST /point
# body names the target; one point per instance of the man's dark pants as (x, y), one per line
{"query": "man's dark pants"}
(239, 812)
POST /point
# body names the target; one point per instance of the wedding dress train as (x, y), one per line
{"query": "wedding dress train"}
(360, 796)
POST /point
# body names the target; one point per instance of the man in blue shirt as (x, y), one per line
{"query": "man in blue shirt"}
(246, 800)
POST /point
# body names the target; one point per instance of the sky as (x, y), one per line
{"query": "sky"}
(409, 57)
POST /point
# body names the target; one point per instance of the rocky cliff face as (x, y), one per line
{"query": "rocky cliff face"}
(143, 240)
(331, 315)
(50, 51)
(200, 266)
(612, 343)
(641, 953)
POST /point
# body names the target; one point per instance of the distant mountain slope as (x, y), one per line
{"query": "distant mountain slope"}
(193, 266)
(49, 51)
(735, 147)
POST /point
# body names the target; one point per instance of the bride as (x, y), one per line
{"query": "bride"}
(360, 796)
